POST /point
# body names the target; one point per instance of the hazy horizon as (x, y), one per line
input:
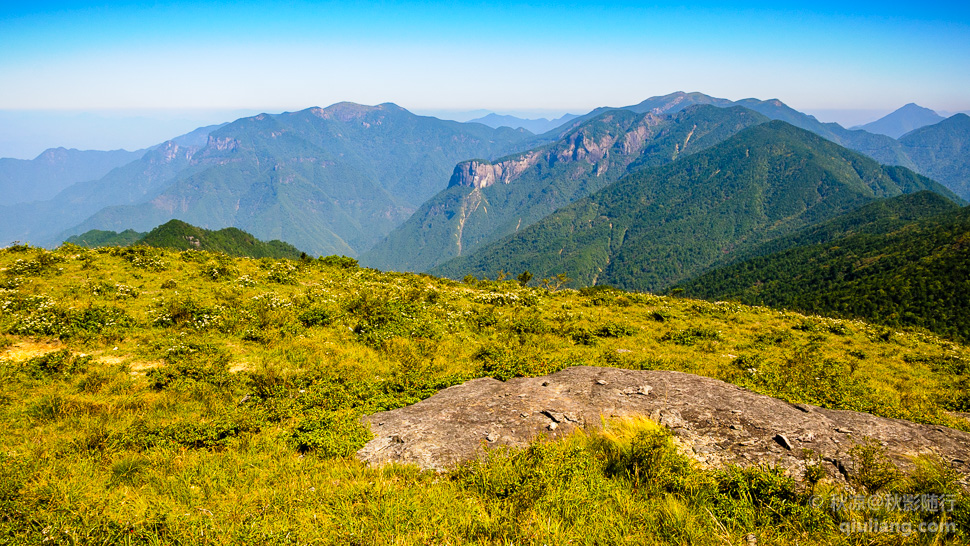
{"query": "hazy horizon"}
(25, 134)
(74, 57)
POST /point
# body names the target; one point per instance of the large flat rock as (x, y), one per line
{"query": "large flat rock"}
(715, 422)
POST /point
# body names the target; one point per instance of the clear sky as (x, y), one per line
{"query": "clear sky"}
(463, 55)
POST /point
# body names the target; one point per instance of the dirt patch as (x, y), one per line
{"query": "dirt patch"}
(24, 350)
(140, 366)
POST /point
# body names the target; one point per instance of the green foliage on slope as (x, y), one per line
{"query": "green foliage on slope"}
(942, 152)
(179, 235)
(98, 237)
(888, 270)
(660, 226)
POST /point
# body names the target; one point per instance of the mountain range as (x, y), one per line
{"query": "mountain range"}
(411, 192)
(331, 180)
(25, 180)
(537, 126)
(662, 225)
(942, 152)
(485, 201)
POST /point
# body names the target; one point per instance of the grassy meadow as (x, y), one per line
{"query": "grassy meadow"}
(159, 397)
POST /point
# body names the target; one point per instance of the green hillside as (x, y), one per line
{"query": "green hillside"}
(179, 235)
(98, 237)
(878, 217)
(660, 226)
(942, 152)
(147, 400)
(489, 200)
(893, 270)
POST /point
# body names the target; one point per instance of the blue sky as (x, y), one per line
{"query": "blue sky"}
(460, 55)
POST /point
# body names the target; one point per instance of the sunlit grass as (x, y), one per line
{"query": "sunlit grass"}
(184, 422)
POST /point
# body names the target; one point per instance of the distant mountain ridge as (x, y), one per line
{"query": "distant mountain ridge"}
(537, 126)
(882, 148)
(902, 121)
(339, 179)
(42, 222)
(666, 224)
(332, 180)
(179, 235)
(26, 180)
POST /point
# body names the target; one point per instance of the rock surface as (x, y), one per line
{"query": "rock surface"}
(715, 422)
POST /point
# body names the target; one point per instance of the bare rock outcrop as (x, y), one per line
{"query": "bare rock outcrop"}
(715, 422)
(623, 143)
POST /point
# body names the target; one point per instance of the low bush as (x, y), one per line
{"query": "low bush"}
(331, 433)
(691, 335)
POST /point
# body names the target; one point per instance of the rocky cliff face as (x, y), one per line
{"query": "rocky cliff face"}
(587, 144)
(715, 423)
(480, 174)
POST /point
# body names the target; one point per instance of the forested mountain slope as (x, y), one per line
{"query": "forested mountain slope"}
(899, 270)
(486, 200)
(663, 225)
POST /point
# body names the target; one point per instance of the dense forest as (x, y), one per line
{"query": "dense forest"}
(890, 271)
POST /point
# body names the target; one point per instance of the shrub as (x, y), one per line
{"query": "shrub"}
(642, 452)
(752, 496)
(582, 335)
(185, 311)
(612, 329)
(281, 272)
(503, 362)
(338, 261)
(531, 323)
(191, 362)
(214, 435)
(380, 319)
(219, 270)
(691, 335)
(600, 294)
(317, 316)
(331, 433)
(140, 257)
(872, 469)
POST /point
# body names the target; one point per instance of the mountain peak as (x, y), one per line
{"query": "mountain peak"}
(347, 111)
(903, 120)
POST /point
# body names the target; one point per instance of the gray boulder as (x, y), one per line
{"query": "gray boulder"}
(714, 422)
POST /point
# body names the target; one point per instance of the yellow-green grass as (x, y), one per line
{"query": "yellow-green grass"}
(153, 396)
